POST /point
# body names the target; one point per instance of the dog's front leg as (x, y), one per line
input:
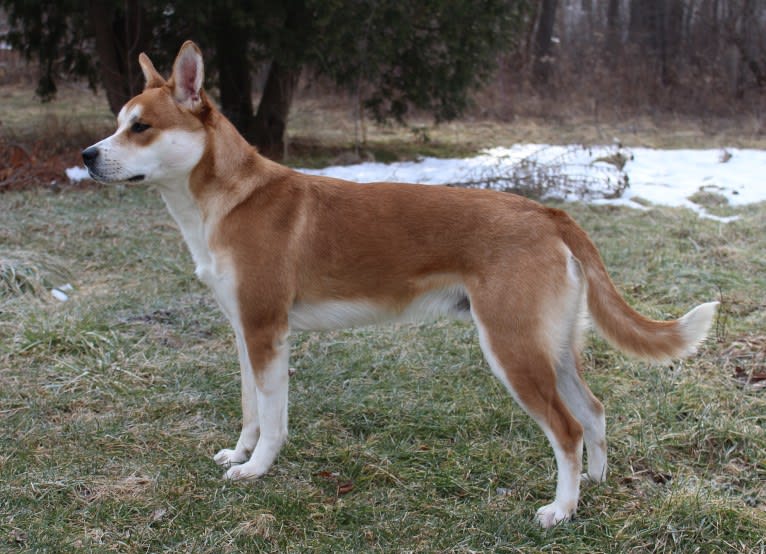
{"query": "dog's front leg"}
(248, 438)
(268, 356)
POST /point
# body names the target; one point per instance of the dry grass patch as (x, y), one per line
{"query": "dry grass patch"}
(745, 358)
(30, 272)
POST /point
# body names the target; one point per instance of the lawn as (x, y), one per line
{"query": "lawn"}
(113, 403)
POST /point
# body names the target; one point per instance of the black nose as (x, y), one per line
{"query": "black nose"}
(89, 155)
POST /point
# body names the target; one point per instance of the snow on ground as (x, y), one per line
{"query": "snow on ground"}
(661, 177)
(76, 174)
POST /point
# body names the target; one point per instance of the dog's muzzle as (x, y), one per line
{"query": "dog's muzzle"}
(90, 157)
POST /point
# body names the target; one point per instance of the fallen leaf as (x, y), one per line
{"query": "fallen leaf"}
(345, 488)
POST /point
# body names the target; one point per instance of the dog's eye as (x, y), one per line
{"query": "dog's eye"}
(139, 127)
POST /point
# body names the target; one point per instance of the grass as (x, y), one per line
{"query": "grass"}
(113, 403)
(75, 104)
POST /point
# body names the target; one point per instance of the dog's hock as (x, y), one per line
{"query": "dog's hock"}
(188, 75)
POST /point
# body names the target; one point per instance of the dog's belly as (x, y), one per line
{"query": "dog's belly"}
(339, 314)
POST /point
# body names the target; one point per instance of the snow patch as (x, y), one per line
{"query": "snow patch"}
(60, 293)
(77, 174)
(659, 177)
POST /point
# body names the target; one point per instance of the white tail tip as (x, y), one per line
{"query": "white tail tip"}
(696, 324)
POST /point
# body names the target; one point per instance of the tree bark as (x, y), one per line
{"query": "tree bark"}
(613, 38)
(234, 78)
(270, 123)
(637, 22)
(120, 38)
(543, 61)
(748, 27)
(646, 25)
(672, 38)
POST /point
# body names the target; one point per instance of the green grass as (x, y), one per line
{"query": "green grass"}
(113, 403)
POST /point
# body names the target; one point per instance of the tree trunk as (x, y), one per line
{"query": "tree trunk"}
(234, 78)
(120, 38)
(268, 129)
(543, 61)
(742, 38)
(646, 25)
(270, 123)
(637, 22)
(613, 39)
(672, 38)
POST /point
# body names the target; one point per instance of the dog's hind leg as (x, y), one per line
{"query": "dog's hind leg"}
(585, 407)
(588, 411)
(526, 320)
(527, 369)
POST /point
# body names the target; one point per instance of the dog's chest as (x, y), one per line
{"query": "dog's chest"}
(189, 218)
(208, 266)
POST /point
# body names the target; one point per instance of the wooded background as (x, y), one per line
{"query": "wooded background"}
(695, 55)
(392, 59)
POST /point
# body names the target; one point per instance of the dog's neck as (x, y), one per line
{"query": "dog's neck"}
(229, 172)
(230, 169)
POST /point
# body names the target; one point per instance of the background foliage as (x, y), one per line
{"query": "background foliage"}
(393, 55)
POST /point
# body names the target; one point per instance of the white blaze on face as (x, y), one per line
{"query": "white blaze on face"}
(170, 157)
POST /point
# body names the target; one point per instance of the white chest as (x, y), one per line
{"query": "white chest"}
(210, 268)
(185, 212)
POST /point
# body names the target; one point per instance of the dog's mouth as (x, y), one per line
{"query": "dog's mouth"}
(103, 179)
(95, 176)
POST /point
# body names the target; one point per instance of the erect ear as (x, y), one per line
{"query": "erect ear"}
(153, 79)
(188, 74)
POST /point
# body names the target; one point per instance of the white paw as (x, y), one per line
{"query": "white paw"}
(227, 457)
(244, 472)
(551, 515)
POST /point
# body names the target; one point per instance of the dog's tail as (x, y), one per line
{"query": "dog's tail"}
(620, 324)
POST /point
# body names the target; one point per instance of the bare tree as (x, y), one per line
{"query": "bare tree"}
(613, 38)
(543, 48)
(120, 36)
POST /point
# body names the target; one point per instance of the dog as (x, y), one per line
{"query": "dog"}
(285, 251)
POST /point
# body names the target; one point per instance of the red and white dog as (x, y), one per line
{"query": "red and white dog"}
(282, 250)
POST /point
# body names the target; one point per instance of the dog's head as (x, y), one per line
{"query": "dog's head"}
(160, 134)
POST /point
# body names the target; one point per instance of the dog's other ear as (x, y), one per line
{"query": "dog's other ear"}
(188, 74)
(153, 78)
